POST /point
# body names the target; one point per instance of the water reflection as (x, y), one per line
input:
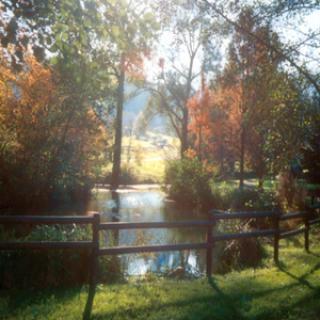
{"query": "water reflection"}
(139, 206)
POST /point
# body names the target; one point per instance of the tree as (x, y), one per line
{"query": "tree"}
(131, 28)
(310, 153)
(283, 9)
(266, 91)
(249, 104)
(181, 68)
(215, 119)
(95, 44)
(44, 151)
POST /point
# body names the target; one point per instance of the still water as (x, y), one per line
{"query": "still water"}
(148, 206)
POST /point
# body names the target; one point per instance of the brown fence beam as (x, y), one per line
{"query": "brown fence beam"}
(45, 245)
(291, 233)
(244, 235)
(292, 215)
(241, 215)
(94, 267)
(152, 248)
(314, 221)
(46, 219)
(306, 232)
(210, 243)
(154, 225)
(276, 238)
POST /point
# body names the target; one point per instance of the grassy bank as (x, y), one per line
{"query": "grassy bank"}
(289, 292)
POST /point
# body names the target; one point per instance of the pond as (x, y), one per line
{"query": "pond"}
(149, 205)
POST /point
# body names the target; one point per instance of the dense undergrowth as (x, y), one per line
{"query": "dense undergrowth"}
(191, 183)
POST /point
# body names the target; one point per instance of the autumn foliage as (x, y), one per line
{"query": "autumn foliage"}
(215, 121)
(49, 141)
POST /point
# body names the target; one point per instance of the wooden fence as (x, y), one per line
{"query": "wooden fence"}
(276, 232)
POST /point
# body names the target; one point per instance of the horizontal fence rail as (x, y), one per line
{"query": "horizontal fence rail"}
(155, 225)
(11, 245)
(153, 248)
(225, 215)
(293, 215)
(244, 235)
(46, 219)
(314, 221)
(291, 233)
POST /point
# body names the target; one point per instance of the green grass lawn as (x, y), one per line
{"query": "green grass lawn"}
(289, 292)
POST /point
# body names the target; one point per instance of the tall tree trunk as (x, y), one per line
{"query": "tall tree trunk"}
(116, 166)
(260, 183)
(185, 118)
(242, 151)
(184, 133)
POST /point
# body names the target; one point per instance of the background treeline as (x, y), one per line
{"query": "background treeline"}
(254, 118)
(63, 69)
(238, 96)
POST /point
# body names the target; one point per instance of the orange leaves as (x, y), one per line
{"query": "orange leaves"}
(36, 94)
(26, 110)
(215, 120)
(199, 110)
(190, 153)
(39, 113)
(36, 84)
(134, 64)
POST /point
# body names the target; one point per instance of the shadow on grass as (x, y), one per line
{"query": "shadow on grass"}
(302, 279)
(229, 301)
(20, 299)
(240, 299)
(304, 305)
(195, 308)
(309, 302)
(232, 303)
(314, 254)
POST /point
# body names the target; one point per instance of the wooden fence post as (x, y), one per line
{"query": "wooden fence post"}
(94, 267)
(306, 231)
(210, 246)
(276, 237)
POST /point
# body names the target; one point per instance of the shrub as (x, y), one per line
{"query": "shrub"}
(187, 182)
(230, 198)
(51, 139)
(240, 253)
(291, 195)
(39, 268)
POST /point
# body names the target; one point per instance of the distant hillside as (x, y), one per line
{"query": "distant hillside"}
(135, 106)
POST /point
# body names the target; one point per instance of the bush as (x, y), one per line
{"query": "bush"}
(187, 182)
(230, 198)
(39, 268)
(52, 141)
(51, 268)
(240, 253)
(291, 194)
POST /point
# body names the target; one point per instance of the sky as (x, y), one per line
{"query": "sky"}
(291, 33)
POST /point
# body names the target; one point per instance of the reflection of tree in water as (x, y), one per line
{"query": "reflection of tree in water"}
(190, 261)
(115, 262)
(187, 235)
